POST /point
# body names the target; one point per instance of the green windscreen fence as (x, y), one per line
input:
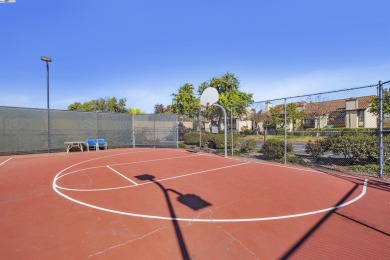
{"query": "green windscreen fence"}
(25, 130)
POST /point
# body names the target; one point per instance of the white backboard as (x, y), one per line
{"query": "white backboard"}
(209, 97)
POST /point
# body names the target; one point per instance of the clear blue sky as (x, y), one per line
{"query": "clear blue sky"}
(145, 50)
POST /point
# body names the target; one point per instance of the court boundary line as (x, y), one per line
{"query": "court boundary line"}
(6, 161)
(148, 183)
(118, 164)
(211, 220)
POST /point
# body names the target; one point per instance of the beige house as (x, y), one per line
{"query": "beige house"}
(349, 113)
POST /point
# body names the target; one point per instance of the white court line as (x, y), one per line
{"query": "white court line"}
(218, 220)
(120, 164)
(6, 161)
(55, 188)
(148, 183)
(120, 174)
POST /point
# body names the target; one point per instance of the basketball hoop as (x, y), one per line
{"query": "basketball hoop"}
(209, 97)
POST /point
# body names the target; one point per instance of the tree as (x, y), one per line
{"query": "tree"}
(135, 111)
(275, 116)
(101, 105)
(386, 103)
(230, 97)
(185, 102)
(113, 105)
(294, 114)
(76, 106)
(159, 109)
(319, 110)
(258, 117)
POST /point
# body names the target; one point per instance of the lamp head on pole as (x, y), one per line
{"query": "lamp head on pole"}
(47, 59)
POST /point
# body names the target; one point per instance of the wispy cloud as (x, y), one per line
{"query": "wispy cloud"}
(21, 100)
(315, 82)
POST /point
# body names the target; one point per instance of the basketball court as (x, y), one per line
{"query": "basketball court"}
(173, 204)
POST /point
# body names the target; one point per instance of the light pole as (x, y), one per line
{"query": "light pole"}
(47, 60)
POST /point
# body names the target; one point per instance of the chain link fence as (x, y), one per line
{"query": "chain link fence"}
(26, 130)
(156, 130)
(343, 130)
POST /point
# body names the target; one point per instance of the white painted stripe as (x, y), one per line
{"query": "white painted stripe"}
(194, 173)
(120, 174)
(156, 160)
(6, 161)
(147, 183)
(289, 167)
(119, 164)
(216, 220)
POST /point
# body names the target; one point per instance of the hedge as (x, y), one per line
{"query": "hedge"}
(246, 145)
(274, 149)
(217, 141)
(361, 148)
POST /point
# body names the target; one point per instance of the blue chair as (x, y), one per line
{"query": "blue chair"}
(91, 145)
(101, 143)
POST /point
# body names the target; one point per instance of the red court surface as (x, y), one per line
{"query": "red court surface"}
(173, 204)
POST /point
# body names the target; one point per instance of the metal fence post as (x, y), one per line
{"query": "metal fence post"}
(285, 131)
(380, 131)
(177, 132)
(200, 131)
(154, 131)
(48, 131)
(97, 125)
(231, 129)
(133, 130)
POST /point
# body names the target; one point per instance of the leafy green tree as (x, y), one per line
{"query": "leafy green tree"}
(294, 115)
(135, 111)
(275, 116)
(76, 106)
(386, 103)
(112, 105)
(230, 97)
(184, 101)
(101, 105)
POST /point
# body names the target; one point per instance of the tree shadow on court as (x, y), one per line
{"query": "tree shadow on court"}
(190, 200)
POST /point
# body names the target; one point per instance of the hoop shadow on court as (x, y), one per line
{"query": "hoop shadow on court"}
(190, 200)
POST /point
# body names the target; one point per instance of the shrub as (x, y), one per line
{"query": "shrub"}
(246, 145)
(360, 148)
(218, 140)
(386, 150)
(294, 159)
(245, 131)
(370, 169)
(318, 147)
(215, 141)
(274, 149)
(192, 138)
(280, 131)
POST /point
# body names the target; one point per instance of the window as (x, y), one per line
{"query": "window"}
(361, 118)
